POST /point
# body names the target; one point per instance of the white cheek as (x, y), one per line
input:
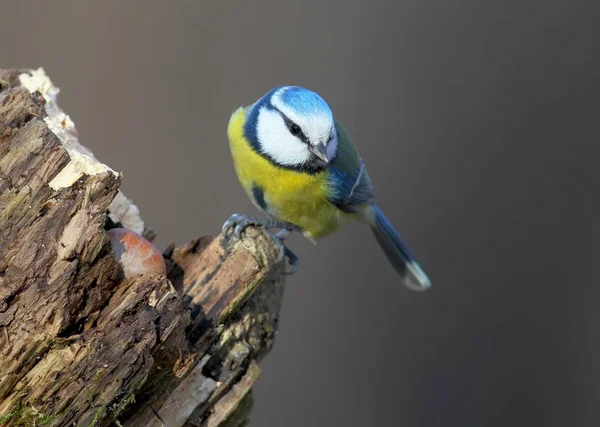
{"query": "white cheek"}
(277, 142)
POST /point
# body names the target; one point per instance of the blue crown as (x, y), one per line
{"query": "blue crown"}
(304, 101)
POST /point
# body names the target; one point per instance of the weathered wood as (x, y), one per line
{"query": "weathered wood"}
(79, 343)
(232, 322)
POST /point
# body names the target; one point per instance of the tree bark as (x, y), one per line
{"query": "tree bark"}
(81, 344)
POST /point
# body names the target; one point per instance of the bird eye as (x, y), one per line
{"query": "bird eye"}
(295, 129)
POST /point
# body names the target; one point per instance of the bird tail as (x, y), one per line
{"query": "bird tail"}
(398, 254)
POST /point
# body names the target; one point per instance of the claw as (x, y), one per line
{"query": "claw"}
(243, 223)
(292, 260)
(233, 219)
(239, 222)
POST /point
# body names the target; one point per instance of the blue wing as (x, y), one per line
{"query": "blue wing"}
(349, 183)
(350, 189)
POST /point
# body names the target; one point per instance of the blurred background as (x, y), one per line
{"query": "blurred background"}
(479, 124)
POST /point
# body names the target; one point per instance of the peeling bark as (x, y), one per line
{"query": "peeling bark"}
(79, 343)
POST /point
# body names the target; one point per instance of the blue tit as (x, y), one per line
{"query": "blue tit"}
(300, 167)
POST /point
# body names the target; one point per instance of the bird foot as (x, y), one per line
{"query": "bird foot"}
(292, 260)
(239, 222)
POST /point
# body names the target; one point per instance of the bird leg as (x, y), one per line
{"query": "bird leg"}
(239, 222)
(283, 233)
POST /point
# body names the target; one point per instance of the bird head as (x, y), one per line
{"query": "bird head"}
(294, 128)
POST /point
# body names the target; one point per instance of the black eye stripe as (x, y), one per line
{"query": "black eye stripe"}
(289, 123)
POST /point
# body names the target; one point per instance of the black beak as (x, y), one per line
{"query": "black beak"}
(320, 150)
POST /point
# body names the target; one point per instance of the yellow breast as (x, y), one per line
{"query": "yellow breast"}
(295, 197)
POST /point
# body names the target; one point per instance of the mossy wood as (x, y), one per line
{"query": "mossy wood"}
(82, 345)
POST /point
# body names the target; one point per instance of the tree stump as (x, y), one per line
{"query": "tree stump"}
(82, 343)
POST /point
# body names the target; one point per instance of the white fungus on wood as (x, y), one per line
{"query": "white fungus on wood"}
(82, 160)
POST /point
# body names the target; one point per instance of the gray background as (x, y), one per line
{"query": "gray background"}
(479, 124)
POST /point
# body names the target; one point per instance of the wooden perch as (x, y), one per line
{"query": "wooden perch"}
(80, 343)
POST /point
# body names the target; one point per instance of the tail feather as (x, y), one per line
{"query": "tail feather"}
(398, 254)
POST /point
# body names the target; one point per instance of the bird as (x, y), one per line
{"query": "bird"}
(300, 167)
